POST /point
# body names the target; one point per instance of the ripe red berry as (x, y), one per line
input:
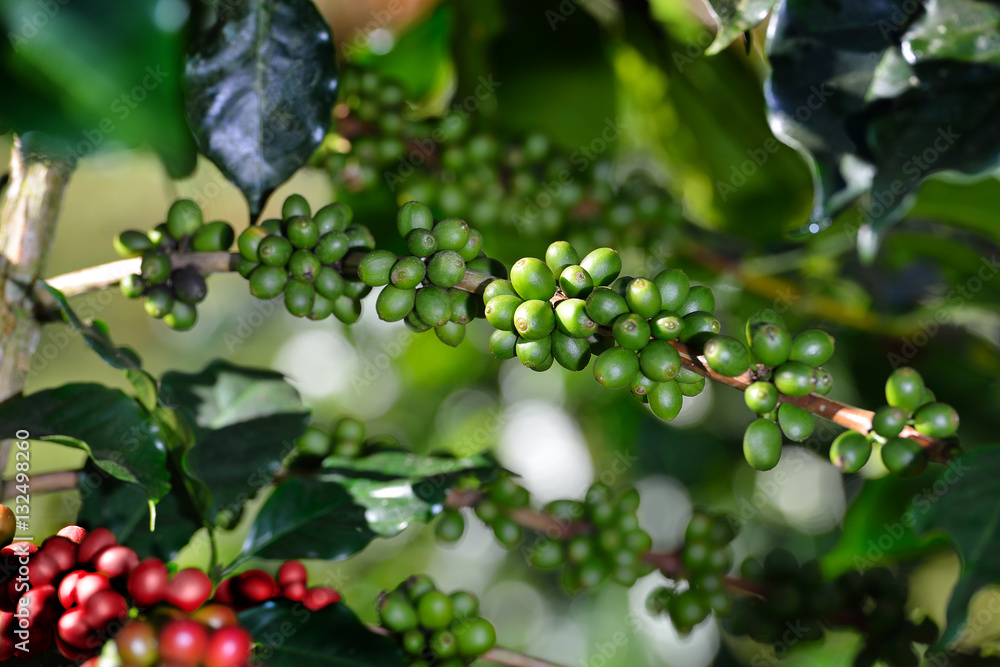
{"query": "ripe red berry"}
(116, 561)
(137, 644)
(73, 628)
(189, 589)
(104, 608)
(42, 603)
(87, 585)
(62, 551)
(228, 647)
(67, 588)
(224, 592)
(253, 587)
(94, 543)
(292, 572)
(43, 569)
(38, 641)
(183, 640)
(77, 653)
(319, 597)
(216, 616)
(294, 591)
(74, 534)
(147, 583)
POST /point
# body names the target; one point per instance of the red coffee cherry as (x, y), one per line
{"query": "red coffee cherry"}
(74, 534)
(62, 551)
(103, 608)
(7, 622)
(319, 597)
(89, 584)
(94, 543)
(147, 583)
(137, 644)
(294, 591)
(116, 561)
(74, 630)
(228, 647)
(43, 569)
(19, 549)
(189, 589)
(216, 616)
(253, 587)
(77, 653)
(292, 572)
(67, 588)
(183, 640)
(39, 641)
(224, 592)
(42, 603)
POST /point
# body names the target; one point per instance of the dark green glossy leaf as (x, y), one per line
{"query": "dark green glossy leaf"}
(966, 30)
(91, 75)
(95, 336)
(245, 422)
(734, 18)
(144, 385)
(968, 511)
(123, 509)
(406, 465)
(261, 84)
(307, 518)
(110, 426)
(289, 635)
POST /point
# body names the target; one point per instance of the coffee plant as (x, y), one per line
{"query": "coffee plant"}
(201, 512)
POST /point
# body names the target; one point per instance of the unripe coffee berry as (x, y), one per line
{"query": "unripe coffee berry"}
(673, 285)
(762, 444)
(603, 265)
(446, 268)
(532, 279)
(616, 367)
(850, 451)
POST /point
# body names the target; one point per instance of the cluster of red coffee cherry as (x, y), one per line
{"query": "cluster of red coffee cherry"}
(79, 590)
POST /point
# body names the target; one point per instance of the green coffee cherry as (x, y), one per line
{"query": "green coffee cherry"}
(560, 255)
(413, 642)
(603, 265)
(502, 344)
(451, 333)
(159, 301)
(620, 285)
(592, 573)
(267, 282)
(487, 265)
(245, 267)
(415, 324)
(927, 397)
(356, 289)
(496, 288)
(507, 532)
(797, 424)
(571, 319)
(295, 205)
(547, 555)
(640, 387)
(660, 361)
(477, 637)
(421, 243)
(699, 325)
(726, 355)
(699, 298)
(687, 609)
(451, 234)
(329, 283)
(450, 526)
(446, 268)
(333, 218)
(274, 227)
(666, 399)
(850, 451)
(304, 266)
(183, 218)
(155, 267)
(249, 240)
(131, 243)
(904, 389)
(215, 236)
(824, 382)
(888, 421)
(813, 347)
(761, 397)
(376, 267)
(575, 282)
(473, 246)
(464, 604)
(443, 645)
(182, 316)
(299, 297)
(500, 311)
(302, 232)
(394, 303)
(160, 236)
(666, 325)
(189, 286)
(760, 318)
(631, 331)
(347, 309)
(359, 236)
(413, 215)
(674, 286)
(794, 378)
(463, 306)
(313, 442)
(904, 457)
(407, 273)
(762, 444)
(615, 368)
(433, 306)
(688, 376)
(938, 420)
(573, 354)
(322, 307)
(397, 614)
(643, 297)
(331, 247)
(604, 306)
(534, 353)
(532, 279)
(771, 344)
(132, 286)
(274, 251)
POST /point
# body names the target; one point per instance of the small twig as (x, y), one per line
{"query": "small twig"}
(108, 275)
(50, 482)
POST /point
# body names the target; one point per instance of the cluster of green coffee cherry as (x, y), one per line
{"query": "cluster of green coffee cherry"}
(911, 403)
(796, 596)
(302, 256)
(420, 288)
(435, 629)
(707, 558)
(172, 294)
(526, 183)
(789, 365)
(346, 439)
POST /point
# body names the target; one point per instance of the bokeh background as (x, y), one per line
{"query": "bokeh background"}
(689, 122)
